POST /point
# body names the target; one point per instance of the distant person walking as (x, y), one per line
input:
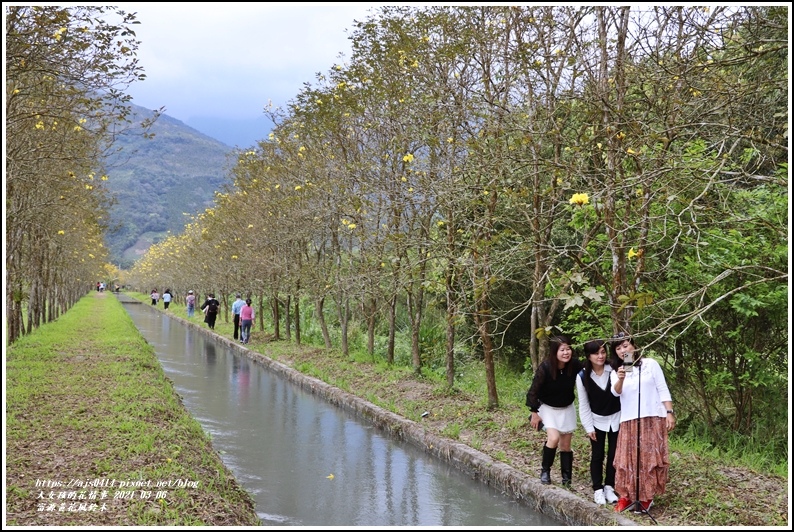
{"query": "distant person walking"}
(246, 320)
(236, 307)
(167, 298)
(190, 301)
(155, 297)
(212, 305)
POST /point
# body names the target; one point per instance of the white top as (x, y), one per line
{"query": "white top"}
(589, 420)
(647, 382)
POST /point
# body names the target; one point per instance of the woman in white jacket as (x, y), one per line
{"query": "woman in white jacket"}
(599, 413)
(646, 416)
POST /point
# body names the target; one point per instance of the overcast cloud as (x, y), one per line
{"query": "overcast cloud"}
(214, 66)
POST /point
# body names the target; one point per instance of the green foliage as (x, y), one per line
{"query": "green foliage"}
(550, 199)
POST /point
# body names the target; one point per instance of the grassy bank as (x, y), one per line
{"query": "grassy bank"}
(706, 487)
(96, 435)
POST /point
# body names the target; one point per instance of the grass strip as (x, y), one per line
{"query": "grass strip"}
(96, 434)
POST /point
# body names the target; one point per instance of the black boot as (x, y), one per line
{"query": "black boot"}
(545, 467)
(566, 467)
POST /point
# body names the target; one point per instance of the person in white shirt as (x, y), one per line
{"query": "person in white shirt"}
(236, 307)
(646, 416)
(167, 298)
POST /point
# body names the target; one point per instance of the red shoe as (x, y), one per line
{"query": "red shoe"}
(646, 505)
(623, 503)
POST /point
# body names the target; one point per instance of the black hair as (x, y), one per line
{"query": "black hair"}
(615, 361)
(551, 357)
(590, 348)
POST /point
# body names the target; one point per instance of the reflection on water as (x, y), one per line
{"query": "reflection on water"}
(306, 462)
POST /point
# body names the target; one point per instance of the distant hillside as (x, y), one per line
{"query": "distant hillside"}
(156, 180)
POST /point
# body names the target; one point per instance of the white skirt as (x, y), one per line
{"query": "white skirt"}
(563, 419)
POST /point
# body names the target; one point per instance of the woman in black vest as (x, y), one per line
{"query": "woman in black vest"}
(599, 412)
(550, 398)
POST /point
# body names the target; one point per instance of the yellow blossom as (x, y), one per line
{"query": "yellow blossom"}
(61, 232)
(408, 157)
(579, 199)
(632, 253)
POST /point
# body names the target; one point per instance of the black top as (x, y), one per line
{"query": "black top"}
(556, 391)
(602, 401)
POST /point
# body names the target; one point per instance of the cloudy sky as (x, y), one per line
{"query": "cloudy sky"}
(214, 66)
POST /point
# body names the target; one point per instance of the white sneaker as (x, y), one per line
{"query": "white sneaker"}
(598, 497)
(609, 494)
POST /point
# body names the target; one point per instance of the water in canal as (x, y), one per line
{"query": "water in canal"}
(307, 462)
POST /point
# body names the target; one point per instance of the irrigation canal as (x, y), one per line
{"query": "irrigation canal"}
(305, 461)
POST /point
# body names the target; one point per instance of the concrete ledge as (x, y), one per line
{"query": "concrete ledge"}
(553, 501)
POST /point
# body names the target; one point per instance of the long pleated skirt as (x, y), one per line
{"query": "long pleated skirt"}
(654, 458)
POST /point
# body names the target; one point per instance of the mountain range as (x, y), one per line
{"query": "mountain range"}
(159, 181)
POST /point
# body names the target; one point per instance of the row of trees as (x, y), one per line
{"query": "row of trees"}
(528, 169)
(66, 72)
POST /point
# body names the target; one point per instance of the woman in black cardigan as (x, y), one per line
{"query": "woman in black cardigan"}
(551, 400)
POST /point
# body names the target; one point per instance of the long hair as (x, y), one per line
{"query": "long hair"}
(551, 358)
(590, 348)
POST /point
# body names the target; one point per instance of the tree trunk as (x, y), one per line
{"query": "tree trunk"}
(392, 328)
(288, 316)
(450, 348)
(276, 317)
(297, 321)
